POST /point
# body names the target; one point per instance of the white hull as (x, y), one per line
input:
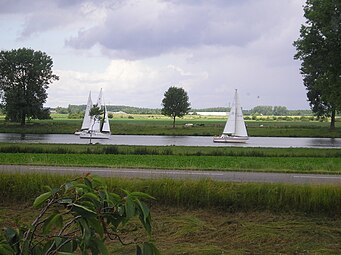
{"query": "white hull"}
(230, 139)
(94, 135)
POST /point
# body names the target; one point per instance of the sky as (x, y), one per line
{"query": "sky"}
(136, 49)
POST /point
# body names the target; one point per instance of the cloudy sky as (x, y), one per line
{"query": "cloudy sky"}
(136, 49)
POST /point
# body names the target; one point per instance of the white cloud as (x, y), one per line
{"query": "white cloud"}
(208, 47)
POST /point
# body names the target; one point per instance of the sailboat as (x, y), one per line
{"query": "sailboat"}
(235, 129)
(87, 118)
(98, 128)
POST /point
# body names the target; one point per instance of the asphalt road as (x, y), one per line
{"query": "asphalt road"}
(229, 176)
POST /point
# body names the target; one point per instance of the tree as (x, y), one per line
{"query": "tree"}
(319, 49)
(77, 218)
(280, 111)
(25, 76)
(175, 103)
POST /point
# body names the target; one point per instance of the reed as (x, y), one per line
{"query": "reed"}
(167, 150)
(314, 199)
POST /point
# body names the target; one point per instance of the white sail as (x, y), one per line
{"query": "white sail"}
(235, 125)
(230, 126)
(240, 128)
(87, 119)
(96, 122)
(96, 130)
(106, 125)
(235, 129)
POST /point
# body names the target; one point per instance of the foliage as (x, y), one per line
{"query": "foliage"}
(78, 217)
(319, 48)
(175, 103)
(269, 110)
(25, 76)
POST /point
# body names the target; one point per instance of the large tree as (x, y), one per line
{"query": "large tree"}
(175, 103)
(319, 48)
(25, 75)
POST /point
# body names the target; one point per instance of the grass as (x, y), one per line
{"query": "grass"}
(160, 125)
(206, 217)
(311, 199)
(167, 150)
(179, 231)
(226, 163)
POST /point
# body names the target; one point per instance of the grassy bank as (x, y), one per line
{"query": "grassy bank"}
(226, 163)
(167, 150)
(157, 125)
(312, 199)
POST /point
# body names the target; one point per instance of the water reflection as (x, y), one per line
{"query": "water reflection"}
(279, 142)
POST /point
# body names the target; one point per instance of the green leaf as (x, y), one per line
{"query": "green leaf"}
(5, 249)
(150, 249)
(68, 185)
(87, 182)
(91, 196)
(129, 207)
(101, 247)
(10, 234)
(55, 220)
(144, 209)
(65, 253)
(41, 199)
(95, 223)
(141, 195)
(82, 210)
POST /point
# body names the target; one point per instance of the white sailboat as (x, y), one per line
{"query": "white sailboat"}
(87, 118)
(235, 129)
(98, 129)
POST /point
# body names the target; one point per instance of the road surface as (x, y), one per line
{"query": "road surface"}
(229, 176)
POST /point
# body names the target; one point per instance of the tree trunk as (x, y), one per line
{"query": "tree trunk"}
(174, 122)
(332, 121)
(23, 119)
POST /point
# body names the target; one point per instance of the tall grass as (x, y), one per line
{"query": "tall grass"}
(228, 163)
(167, 150)
(319, 199)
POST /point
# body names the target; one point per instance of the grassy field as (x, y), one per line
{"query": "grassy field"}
(206, 217)
(302, 160)
(161, 125)
(179, 231)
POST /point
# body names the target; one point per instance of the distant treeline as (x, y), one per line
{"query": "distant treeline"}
(257, 110)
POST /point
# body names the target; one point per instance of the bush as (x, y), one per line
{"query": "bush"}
(77, 218)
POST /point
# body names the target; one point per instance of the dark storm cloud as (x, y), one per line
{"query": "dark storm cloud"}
(143, 29)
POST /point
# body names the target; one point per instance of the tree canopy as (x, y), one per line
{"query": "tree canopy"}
(175, 103)
(25, 76)
(319, 48)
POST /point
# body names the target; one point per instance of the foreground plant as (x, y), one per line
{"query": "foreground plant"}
(78, 217)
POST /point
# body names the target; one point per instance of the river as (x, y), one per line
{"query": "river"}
(271, 142)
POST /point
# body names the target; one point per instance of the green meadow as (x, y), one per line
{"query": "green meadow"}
(300, 160)
(160, 125)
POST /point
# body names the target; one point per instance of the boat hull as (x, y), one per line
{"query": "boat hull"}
(230, 139)
(95, 135)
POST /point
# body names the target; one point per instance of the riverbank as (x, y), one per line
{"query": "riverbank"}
(202, 126)
(288, 160)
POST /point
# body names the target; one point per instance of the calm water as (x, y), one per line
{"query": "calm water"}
(283, 142)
